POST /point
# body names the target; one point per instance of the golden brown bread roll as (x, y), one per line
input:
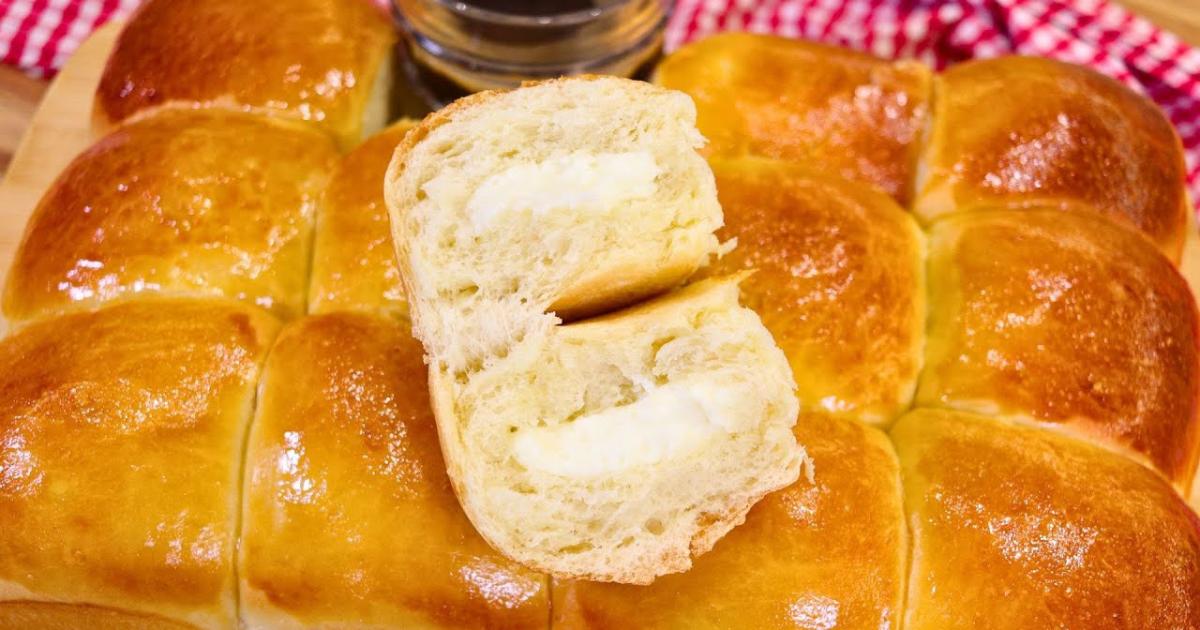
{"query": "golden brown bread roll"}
(1026, 132)
(838, 279)
(121, 435)
(322, 61)
(354, 265)
(1017, 527)
(349, 516)
(823, 553)
(841, 111)
(185, 203)
(1071, 319)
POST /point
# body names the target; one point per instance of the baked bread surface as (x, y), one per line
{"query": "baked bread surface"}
(354, 264)
(797, 562)
(326, 62)
(206, 203)
(842, 112)
(348, 515)
(120, 438)
(1034, 312)
(838, 278)
(1027, 132)
(1018, 527)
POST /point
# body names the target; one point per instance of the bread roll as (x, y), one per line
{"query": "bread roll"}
(121, 437)
(829, 551)
(1017, 527)
(327, 62)
(348, 516)
(839, 280)
(185, 203)
(1072, 320)
(569, 197)
(615, 448)
(354, 263)
(1022, 132)
(829, 108)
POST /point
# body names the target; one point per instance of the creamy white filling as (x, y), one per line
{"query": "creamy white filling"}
(670, 421)
(577, 182)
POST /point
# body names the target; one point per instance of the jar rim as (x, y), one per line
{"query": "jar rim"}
(570, 18)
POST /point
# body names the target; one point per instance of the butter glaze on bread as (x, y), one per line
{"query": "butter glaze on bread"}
(1034, 313)
(184, 203)
(839, 280)
(617, 447)
(354, 264)
(121, 433)
(826, 552)
(1016, 527)
(348, 514)
(322, 61)
(828, 108)
(1025, 132)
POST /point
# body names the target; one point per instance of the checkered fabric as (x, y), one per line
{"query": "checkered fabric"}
(38, 35)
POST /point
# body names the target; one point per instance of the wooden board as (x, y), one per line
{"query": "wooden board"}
(61, 128)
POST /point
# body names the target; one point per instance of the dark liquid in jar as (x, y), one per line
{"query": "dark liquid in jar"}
(533, 7)
(436, 89)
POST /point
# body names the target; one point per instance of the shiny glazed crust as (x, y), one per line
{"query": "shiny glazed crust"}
(185, 203)
(120, 438)
(348, 510)
(311, 60)
(1016, 527)
(832, 109)
(1027, 132)
(796, 560)
(124, 426)
(838, 280)
(1032, 313)
(354, 263)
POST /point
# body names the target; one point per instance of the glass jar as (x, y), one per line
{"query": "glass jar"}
(453, 48)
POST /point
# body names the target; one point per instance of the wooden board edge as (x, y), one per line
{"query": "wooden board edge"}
(60, 129)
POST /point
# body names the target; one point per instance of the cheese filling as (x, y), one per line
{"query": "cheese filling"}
(670, 421)
(576, 182)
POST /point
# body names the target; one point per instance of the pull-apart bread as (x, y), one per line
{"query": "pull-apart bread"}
(843, 112)
(838, 279)
(325, 62)
(354, 264)
(1023, 132)
(616, 447)
(121, 435)
(1024, 334)
(185, 203)
(348, 516)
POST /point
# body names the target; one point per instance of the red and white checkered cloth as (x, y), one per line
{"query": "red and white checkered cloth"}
(38, 35)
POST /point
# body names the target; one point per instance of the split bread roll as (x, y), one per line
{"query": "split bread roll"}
(121, 435)
(825, 552)
(348, 517)
(325, 62)
(205, 203)
(559, 200)
(1015, 527)
(615, 448)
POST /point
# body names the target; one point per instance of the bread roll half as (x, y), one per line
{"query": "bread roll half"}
(615, 448)
(568, 197)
